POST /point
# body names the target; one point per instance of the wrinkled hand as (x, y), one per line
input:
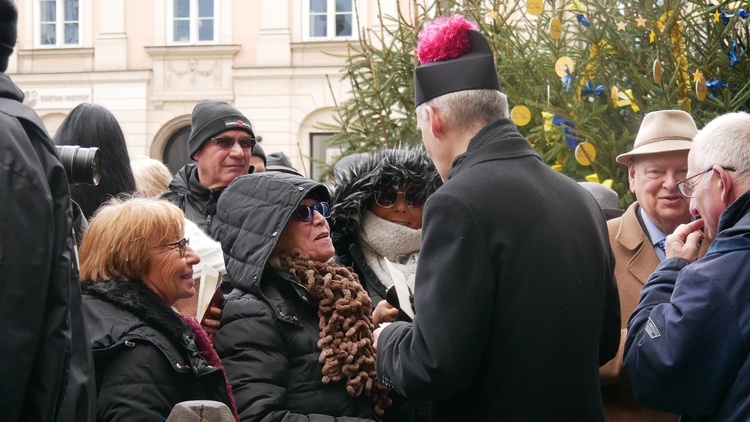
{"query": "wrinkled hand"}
(685, 242)
(211, 322)
(384, 312)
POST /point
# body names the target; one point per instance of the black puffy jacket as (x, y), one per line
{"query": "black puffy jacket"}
(197, 201)
(146, 357)
(269, 325)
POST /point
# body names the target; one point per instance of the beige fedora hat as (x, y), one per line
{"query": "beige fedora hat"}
(662, 131)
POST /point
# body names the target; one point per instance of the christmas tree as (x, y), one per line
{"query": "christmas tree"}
(579, 75)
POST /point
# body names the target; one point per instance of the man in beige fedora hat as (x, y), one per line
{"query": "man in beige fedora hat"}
(657, 162)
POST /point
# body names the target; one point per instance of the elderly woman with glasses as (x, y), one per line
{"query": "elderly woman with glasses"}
(296, 333)
(135, 264)
(376, 218)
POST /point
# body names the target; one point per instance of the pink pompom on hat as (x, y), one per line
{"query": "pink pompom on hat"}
(454, 56)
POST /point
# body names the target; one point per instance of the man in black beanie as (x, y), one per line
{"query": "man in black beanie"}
(46, 368)
(221, 142)
(515, 300)
(258, 159)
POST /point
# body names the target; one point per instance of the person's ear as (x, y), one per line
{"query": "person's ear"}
(631, 175)
(436, 122)
(726, 185)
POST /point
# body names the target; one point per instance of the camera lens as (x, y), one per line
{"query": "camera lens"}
(81, 164)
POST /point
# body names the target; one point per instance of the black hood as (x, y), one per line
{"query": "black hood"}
(252, 212)
(356, 184)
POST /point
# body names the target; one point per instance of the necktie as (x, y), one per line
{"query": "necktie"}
(660, 244)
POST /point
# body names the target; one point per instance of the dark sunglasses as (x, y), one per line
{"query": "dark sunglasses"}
(388, 198)
(224, 142)
(306, 213)
(180, 244)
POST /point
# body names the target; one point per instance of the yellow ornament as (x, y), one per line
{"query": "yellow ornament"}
(657, 71)
(701, 89)
(547, 118)
(621, 26)
(555, 29)
(556, 167)
(521, 115)
(562, 63)
(535, 7)
(697, 75)
(585, 153)
(593, 178)
(641, 21)
(492, 14)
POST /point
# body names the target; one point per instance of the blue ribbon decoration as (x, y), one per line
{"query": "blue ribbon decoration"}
(567, 79)
(743, 13)
(732, 54)
(589, 91)
(725, 16)
(571, 138)
(714, 85)
(582, 20)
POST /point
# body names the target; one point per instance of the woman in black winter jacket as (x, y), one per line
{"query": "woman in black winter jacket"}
(376, 224)
(376, 217)
(296, 333)
(135, 264)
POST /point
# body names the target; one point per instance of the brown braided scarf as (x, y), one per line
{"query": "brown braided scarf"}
(345, 325)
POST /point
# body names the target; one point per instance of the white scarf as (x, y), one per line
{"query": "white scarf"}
(381, 239)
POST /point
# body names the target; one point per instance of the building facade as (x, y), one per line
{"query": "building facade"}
(150, 61)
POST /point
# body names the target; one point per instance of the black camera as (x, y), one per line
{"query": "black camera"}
(81, 164)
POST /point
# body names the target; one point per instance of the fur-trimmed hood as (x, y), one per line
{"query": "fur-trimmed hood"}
(356, 183)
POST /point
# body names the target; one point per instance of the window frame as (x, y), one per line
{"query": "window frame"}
(330, 22)
(59, 23)
(193, 19)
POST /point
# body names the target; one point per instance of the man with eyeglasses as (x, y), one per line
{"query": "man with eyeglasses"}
(656, 164)
(221, 141)
(515, 302)
(687, 349)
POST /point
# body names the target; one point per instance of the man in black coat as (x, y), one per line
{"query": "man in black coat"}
(46, 369)
(516, 305)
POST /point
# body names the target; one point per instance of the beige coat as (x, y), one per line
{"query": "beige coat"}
(636, 260)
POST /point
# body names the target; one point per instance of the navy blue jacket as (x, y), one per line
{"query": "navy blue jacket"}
(688, 344)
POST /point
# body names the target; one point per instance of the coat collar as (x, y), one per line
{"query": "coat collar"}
(499, 140)
(632, 237)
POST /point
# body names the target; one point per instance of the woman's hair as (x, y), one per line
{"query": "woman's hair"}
(122, 234)
(152, 177)
(91, 125)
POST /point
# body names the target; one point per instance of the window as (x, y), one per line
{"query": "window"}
(193, 21)
(321, 154)
(329, 19)
(176, 152)
(59, 23)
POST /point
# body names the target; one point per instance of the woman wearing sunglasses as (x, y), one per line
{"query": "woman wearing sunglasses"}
(134, 265)
(377, 216)
(296, 333)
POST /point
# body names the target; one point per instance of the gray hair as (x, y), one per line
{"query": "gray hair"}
(725, 141)
(466, 109)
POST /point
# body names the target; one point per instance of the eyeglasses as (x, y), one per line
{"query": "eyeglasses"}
(305, 213)
(687, 186)
(180, 244)
(224, 142)
(387, 198)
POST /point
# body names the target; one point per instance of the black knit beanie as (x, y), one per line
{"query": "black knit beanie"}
(8, 31)
(211, 118)
(258, 151)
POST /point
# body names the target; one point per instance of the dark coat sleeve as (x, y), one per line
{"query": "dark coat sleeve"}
(255, 359)
(684, 346)
(611, 333)
(138, 384)
(441, 356)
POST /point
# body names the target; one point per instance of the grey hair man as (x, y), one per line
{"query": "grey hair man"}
(686, 350)
(501, 282)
